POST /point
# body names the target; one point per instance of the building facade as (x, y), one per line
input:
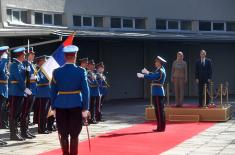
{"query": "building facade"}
(128, 34)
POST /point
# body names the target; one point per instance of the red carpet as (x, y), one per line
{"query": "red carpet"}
(139, 140)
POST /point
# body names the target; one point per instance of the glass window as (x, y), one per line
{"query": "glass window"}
(186, 25)
(48, 19)
(57, 19)
(140, 23)
(98, 21)
(9, 15)
(38, 18)
(218, 26)
(127, 23)
(115, 22)
(204, 26)
(87, 21)
(16, 16)
(161, 24)
(173, 25)
(230, 26)
(24, 15)
(77, 20)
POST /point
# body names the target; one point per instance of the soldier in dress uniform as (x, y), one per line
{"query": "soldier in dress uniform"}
(68, 82)
(4, 75)
(158, 78)
(31, 79)
(17, 91)
(83, 62)
(42, 97)
(94, 90)
(103, 87)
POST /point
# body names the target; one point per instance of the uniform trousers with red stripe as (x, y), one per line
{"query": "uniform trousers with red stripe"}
(159, 112)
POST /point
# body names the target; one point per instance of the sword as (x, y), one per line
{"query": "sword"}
(88, 136)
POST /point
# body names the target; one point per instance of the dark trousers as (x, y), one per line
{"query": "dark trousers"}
(69, 122)
(95, 107)
(43, 108)
(26, 109)
(159, 112)
(15, 109)
(3, 112)
(101, 105)
(36, 111)
(201, 93)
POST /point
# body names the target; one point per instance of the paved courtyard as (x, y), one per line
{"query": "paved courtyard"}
(218, 139)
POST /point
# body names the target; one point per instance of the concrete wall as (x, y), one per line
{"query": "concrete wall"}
(217, 10)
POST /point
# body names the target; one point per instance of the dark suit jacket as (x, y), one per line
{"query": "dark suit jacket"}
(203, 72)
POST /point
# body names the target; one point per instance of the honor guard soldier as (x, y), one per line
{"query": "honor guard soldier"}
(103, 87)
(42, 97)
(17, 91)
(31, 79)
(94, 91)
(83, 62)
(70, 98)
(158, 78)
(4, 75)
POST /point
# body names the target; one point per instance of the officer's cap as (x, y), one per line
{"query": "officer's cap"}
(83, 60)
(30, 50)
(4, 48)
(70, 49)
(19, 50)
(160, 59)
(91, 62)
(101, 64)
(41, 57)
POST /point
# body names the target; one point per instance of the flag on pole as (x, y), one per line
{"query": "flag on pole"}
(57, 58)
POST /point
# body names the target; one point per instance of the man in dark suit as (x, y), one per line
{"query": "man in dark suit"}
(203, 75)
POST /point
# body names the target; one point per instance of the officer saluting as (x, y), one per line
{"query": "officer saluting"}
(158, 78)
(94, 91)
(83, 62)
(4, 75)
(70, 98)
(17, 91)
(103, 87)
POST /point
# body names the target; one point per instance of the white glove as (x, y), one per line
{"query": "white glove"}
(139, 75)
(4, 55)
(85, 113)
(28, 69)
(33, 77)
(28, 91)
(145, 71)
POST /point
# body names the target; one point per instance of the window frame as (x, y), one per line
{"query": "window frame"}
(172, 30)
(212, 26)
(180, 21)
(92, 21)
(127, 28)
(52, 18)
(16, 10)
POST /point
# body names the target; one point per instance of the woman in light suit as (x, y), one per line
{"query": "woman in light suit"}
(179, 78)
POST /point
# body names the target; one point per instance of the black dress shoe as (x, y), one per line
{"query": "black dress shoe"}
(2, 142)
(30, 134)
(158, 130)
(44, 132)
(17, 137)
(26, 136)
(92, 121)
